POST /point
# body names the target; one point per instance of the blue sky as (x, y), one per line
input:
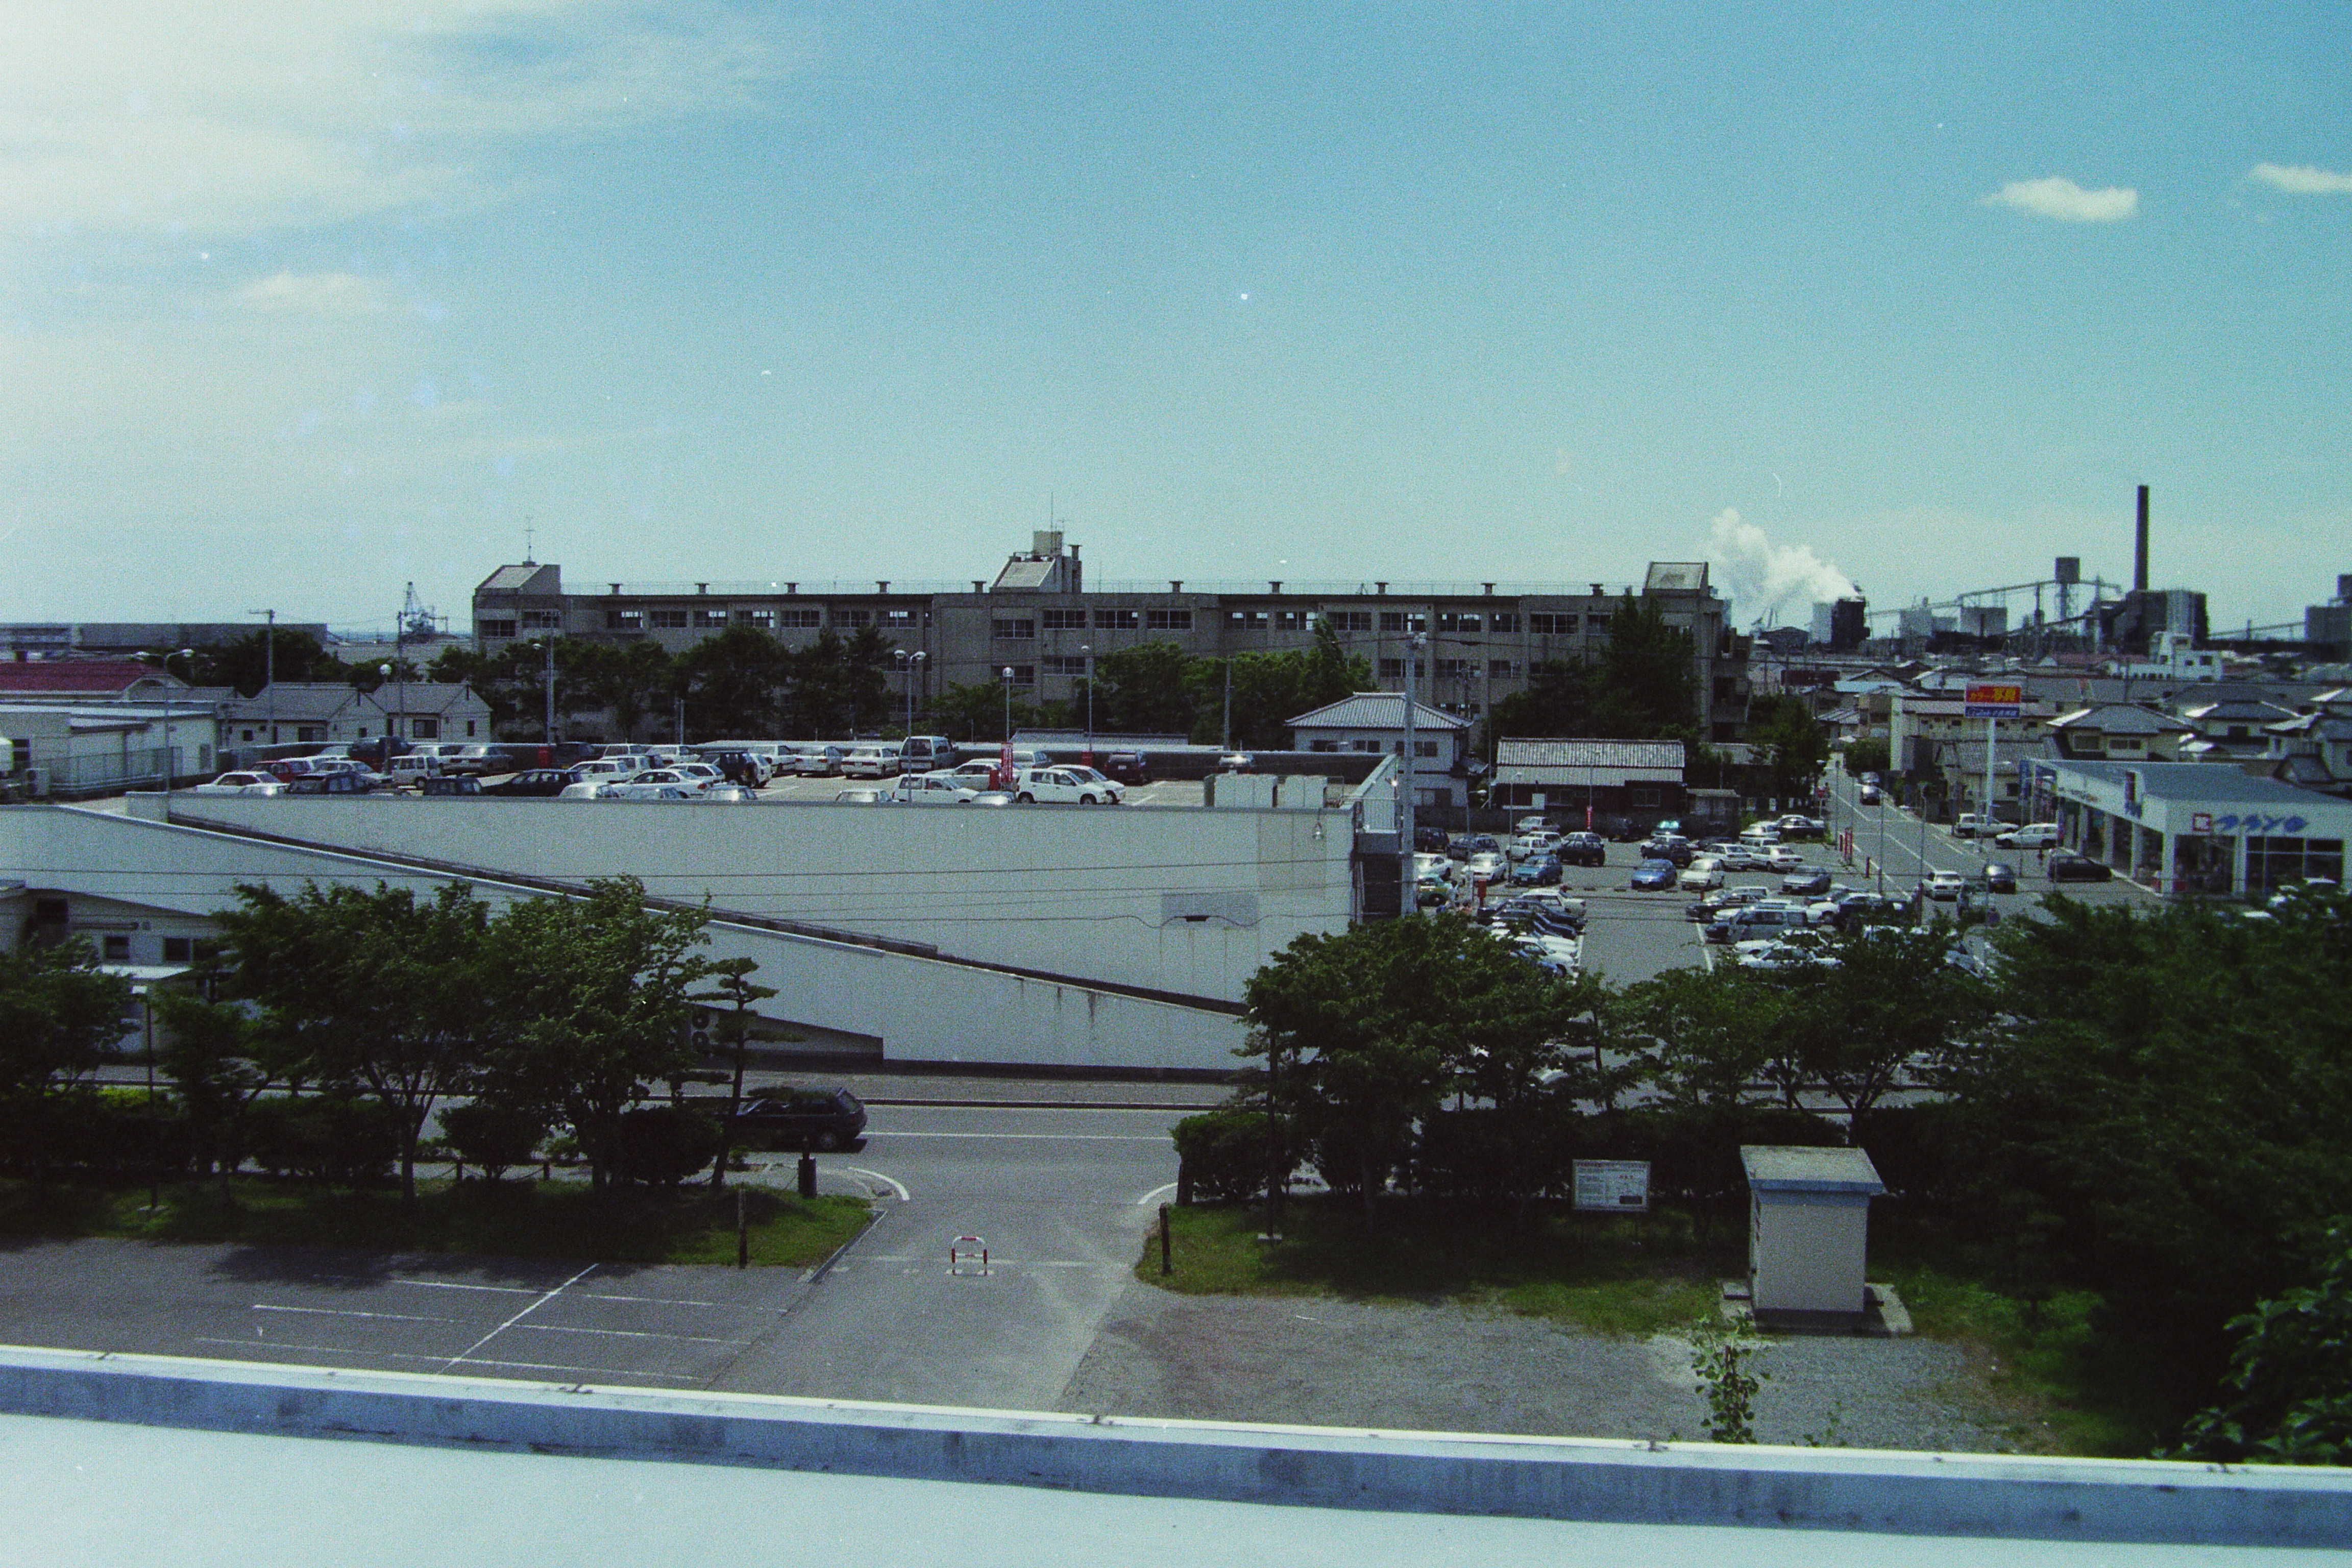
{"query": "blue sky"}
(297, 307)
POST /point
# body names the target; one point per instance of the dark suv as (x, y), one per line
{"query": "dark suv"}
(802, 1119)
(1583, 849)
(1126, 767)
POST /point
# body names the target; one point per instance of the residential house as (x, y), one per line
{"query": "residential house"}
(2120, 732)
(1373, 721)
(2233, 729)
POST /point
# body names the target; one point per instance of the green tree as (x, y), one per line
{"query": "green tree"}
(1270, 689)
(1366, 1033)
(734, 683)
(976, 711)
(589, 1006)
(2287, 1399)
(376, 992)
(246, 665)
(1793, 742)
(733, 989)
(1866, 756)
(59, 1011)
(218, 1058)
(1143, 691)
(1707, 1034)
(1647, 685)
(1557, 702)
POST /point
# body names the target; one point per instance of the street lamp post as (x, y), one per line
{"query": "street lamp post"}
(1004, 758)
(1088, 653)
(1411, 900)
(911, 668)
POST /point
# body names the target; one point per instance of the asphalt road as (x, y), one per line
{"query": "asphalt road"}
(1063, 1198)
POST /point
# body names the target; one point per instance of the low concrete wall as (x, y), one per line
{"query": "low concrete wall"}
(1538, 1478)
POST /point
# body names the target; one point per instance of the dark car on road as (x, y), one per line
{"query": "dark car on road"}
(535, 782)
(1808, 882)
(1675, 848)
(802, 1119)
(331, 784)
(1654, 876)
(1999, 878)
(1126, 767)
(1583, 849)
(2065, 865)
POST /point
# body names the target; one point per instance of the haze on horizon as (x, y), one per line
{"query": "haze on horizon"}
(299, 306)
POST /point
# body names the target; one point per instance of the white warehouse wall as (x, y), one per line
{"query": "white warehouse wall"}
(1095, 894)
(923, 1010)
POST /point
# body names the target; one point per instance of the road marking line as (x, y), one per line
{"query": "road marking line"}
(895, 1186)
(452, 1285)
(1145, 1200)
(655, 1301)
(625, 1334)
(519, 1317)
(347, 1313)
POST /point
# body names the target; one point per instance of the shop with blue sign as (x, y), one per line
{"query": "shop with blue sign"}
(2196, 828)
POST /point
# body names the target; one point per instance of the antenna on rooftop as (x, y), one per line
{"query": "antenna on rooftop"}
(527, 532)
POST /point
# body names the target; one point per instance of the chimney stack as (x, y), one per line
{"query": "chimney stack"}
(2140, 547)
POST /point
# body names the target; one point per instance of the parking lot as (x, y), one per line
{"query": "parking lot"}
(1061, 1197)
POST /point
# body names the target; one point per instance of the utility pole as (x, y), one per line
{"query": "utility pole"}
(1088, 756)
(1228, 743)
(269, 670)
(550, 690)
(1410, 904)
(399, 674)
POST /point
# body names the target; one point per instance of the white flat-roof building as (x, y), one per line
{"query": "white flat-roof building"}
(2197, 828)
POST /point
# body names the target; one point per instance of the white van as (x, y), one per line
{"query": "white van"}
(1071, 785)
(926, 753)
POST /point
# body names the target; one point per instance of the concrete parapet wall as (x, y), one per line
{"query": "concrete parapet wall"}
(1565, 1478)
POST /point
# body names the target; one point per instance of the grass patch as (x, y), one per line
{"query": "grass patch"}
(2066, 1389)
(512, 1220)
(1614, 1276)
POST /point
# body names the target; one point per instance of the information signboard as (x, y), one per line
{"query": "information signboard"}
(1614, 1186)
(1996, 702)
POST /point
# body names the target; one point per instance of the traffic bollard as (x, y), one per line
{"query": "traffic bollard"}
(808, 1174)
(742, 1233)
(1166, 1252)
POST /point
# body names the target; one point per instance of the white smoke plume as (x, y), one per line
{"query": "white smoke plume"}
(1782, 579)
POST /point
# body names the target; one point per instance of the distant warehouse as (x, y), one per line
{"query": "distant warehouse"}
(1039, 619)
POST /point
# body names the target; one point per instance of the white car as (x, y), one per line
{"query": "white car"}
(932, 789)
(1530, 825)
(590, 789)
(1534, 846)
(241, 784)
(1944, 886)
(1762, 835)
(818, 762)
(2032, 836)
(1486, 865)
(642, 789)
(861, 797)
(869, 762)
(1067, 787)
(1740, 857)
(1781, 858)
(605, 770)
(1702, 874)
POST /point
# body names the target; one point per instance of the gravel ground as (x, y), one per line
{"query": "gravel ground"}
(1465, 1369)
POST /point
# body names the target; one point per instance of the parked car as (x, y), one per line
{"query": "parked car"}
(1655, 875)
(2032, 836)
(1704, 871)
(861, 797)
(1538, 842)
(1797, 826)
(869, 762)
(993, 798)
(1475, 844)
(340, 782)
(1942, 886)
(1067, 786)
(1999, 878)
(1856, 909)
(242, 784)
(1126, 767)
(475, 761)
(1672, 848)
(1236, 762)
(1739, 857)
(1973, 826)
(534, 783)
(746, 768)
(817, 761)
(1721, 902)
(1429, 840)
(1781, 858)
(1583, 849)
(818, 1119)
(1806, 882)
(586, 789)
(942, 788)
(2065, 865)
(1536, 871)
(1486, 865)
(435, 785)
(1761, 834)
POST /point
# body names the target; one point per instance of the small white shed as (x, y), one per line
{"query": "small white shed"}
(1808, 1229)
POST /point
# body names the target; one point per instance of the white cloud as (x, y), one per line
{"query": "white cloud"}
(1765, 576)
(2061, 198)
(2303, 179)
(210, 119)
(313, 294)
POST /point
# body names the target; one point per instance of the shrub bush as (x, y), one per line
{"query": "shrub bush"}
(323, 1138)
(106, 1134)
(1223, 1154)
(663, 1145)
(494, 1136)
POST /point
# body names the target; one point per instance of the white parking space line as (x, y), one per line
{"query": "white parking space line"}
(349, 1312)
(624, 1333)
(655, 1301)
(892, 1182)
(452, 1285)
(1165, 1187)
(592, 1372)
(519, 1317)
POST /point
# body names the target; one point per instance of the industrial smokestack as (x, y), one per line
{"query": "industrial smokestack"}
(2140, 547)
